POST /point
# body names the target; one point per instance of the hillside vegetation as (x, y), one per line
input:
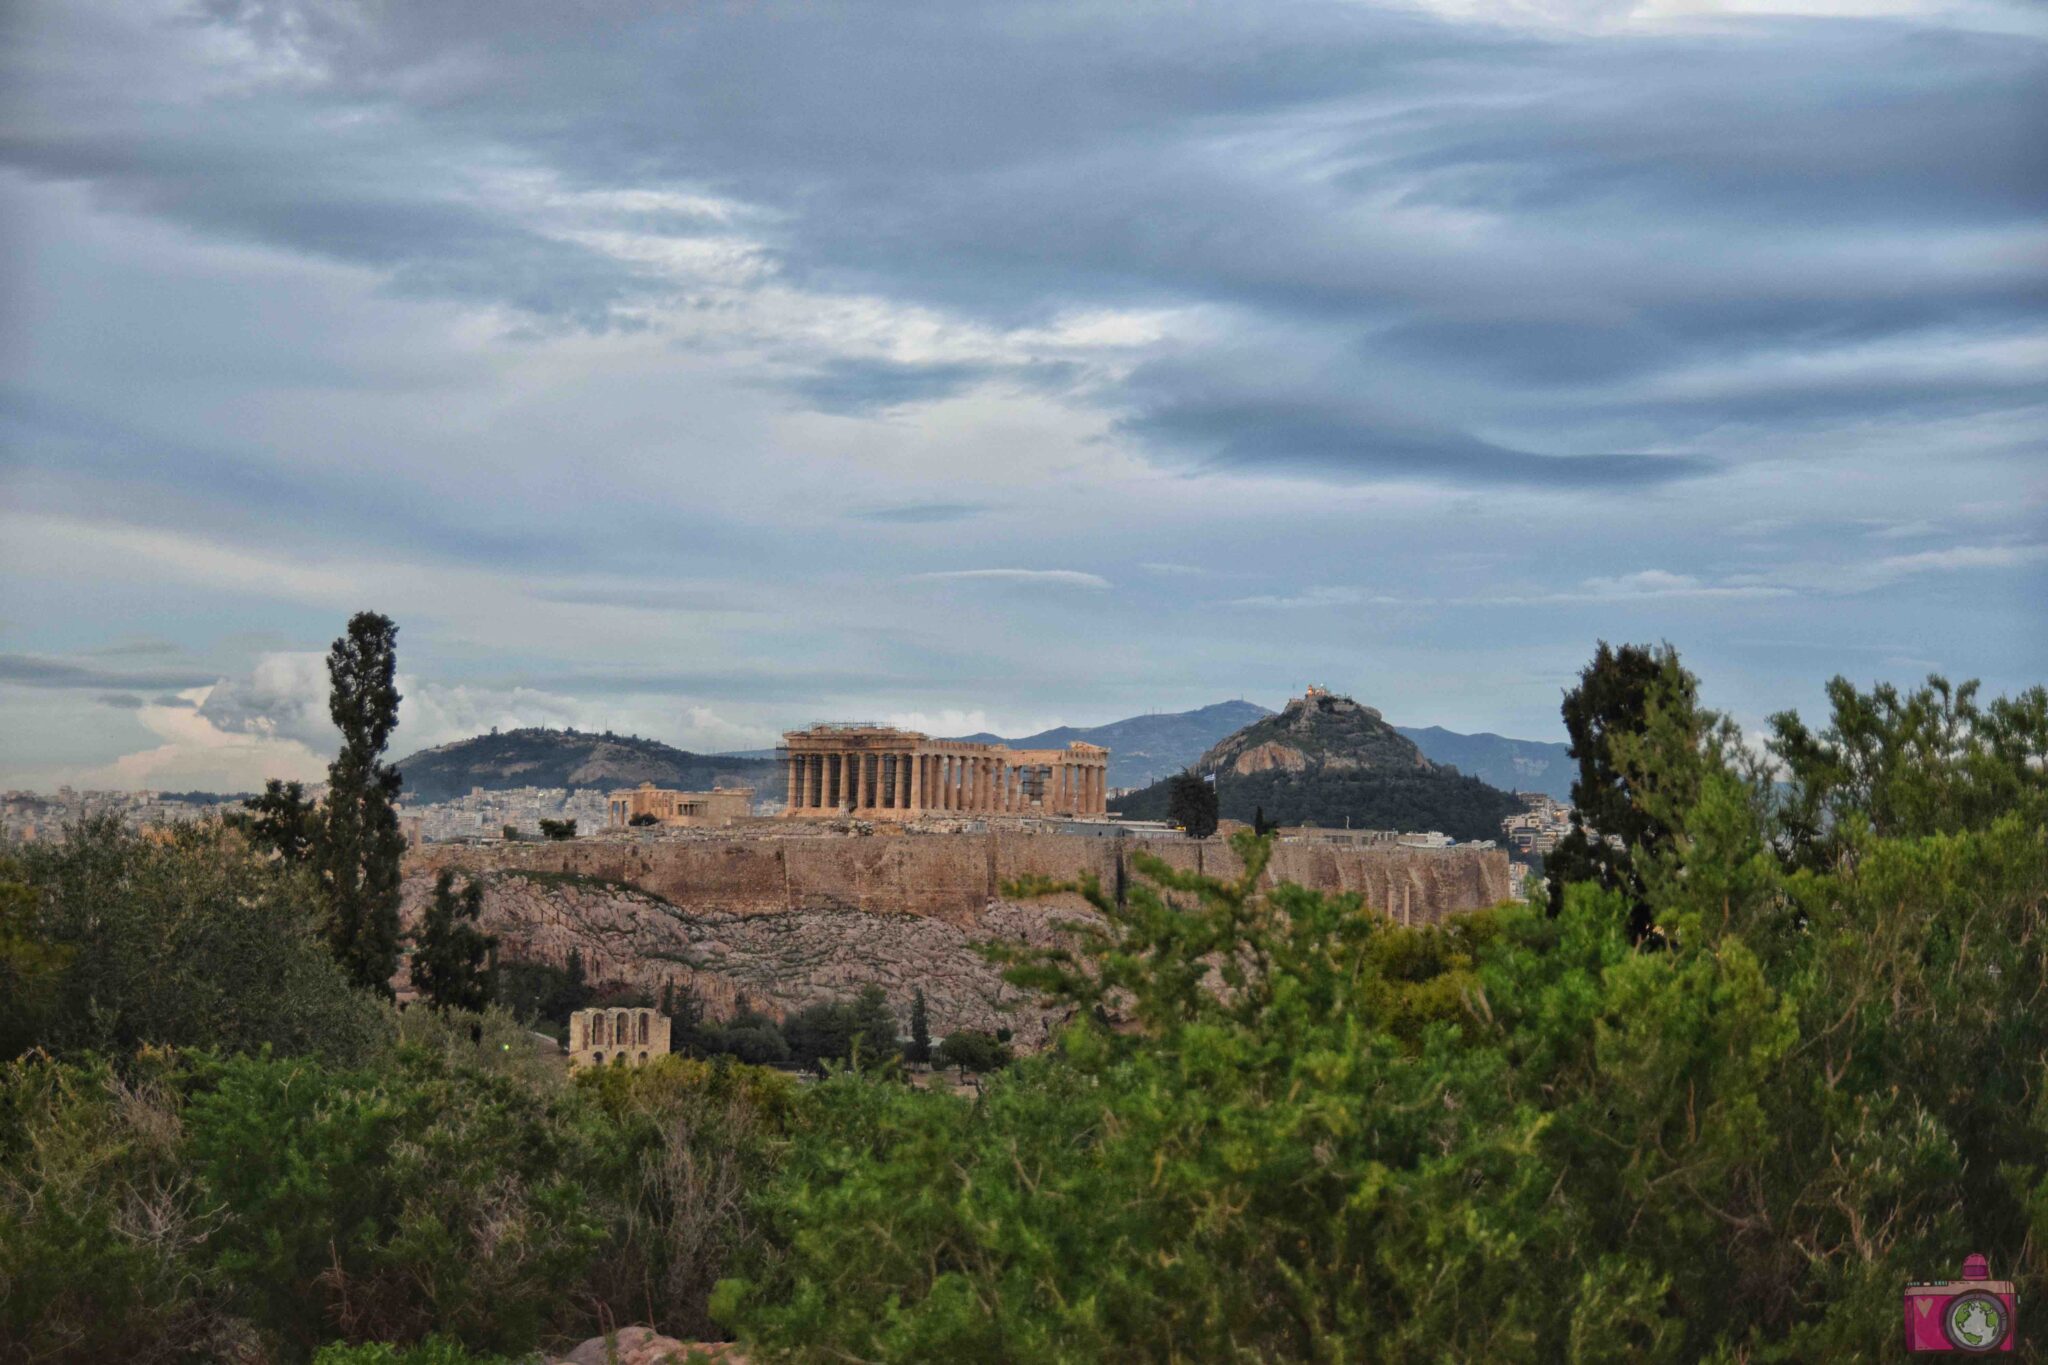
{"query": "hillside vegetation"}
(1326, 760)
(1781, 1052)
(570, 758)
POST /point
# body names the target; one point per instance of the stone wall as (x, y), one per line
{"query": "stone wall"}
(790, 919)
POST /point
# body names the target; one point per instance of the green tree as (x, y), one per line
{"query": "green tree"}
(819, 1033)
(972, 1050)
(283, 820)
(1191, 804)
(1260, 825)
(184, 936)
(1622, 809)
(1924, 762)
(920, 1049)
(558, 829)
(875, 1040)
(360, 845)
(454, 965)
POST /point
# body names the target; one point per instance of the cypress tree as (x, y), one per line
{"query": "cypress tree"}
(456, 962)
(360, 844)
(920, 1049)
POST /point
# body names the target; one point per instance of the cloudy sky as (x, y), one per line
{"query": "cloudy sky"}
(701, 369)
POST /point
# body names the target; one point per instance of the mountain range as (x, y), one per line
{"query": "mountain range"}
(1142, 750)
(571, 758)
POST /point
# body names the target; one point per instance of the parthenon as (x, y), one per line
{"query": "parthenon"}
(878, 771)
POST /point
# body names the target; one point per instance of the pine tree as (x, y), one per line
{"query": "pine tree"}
(920, 1049)
(360, 844)
(456, 962)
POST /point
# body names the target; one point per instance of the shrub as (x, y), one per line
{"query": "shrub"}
(99, 1219)
(185, 936)
(386, 1202)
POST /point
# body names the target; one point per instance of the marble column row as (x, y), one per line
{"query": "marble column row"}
(976, 783)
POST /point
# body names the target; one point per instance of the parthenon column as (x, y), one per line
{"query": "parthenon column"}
(795, 762)
(852, 792)
(985, 784)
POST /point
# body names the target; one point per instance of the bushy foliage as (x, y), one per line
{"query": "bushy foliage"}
(100, 1218)
(182, 935)
(1462, 807)
(281, 1203)
(1281, 1127)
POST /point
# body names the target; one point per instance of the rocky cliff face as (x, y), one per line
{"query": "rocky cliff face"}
(1316, 732)
(789, 920)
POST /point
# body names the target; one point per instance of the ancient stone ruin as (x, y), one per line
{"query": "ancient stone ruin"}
(616, 1037)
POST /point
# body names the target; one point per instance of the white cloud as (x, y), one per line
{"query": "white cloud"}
(1645, 585)
(1324, 596)
(1960, 557)
(198, 755)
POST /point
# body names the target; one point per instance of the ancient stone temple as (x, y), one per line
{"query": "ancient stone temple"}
(879, 772)
(617, 1037)
(650, 804)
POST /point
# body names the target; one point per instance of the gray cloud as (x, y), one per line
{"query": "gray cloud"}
(1292, 436)
(34, 671)
(522, 317)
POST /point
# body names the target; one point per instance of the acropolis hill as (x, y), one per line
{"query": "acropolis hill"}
(791, 912)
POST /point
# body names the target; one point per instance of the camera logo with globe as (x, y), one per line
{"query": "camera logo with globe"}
(1974, 1315)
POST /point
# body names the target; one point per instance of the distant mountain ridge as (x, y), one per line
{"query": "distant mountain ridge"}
(1143, 749)
(1522, 765)
(572, 759)
(1326, 760)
